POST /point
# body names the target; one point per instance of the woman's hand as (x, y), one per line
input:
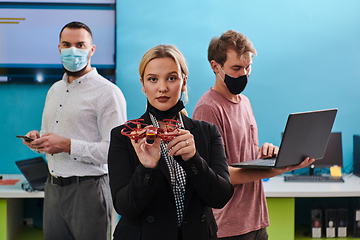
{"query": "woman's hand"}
(148, 154)
(183, 145)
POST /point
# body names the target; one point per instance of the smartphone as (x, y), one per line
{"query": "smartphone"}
(27, 139)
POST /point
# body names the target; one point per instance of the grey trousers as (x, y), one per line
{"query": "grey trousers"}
(79, 211)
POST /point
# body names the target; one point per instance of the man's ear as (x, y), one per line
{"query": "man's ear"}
(92, 50)
(214, 66)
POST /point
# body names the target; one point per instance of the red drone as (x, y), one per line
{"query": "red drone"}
(140, 130)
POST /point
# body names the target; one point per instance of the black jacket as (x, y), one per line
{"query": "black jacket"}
(144, 197)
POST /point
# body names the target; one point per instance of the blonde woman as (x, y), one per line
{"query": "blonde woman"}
(165, 190)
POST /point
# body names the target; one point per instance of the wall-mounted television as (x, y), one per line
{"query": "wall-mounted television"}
(29, 38)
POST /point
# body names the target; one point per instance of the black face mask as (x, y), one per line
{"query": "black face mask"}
(235, 85)
(168, 114)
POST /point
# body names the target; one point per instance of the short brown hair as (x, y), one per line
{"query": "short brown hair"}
(231, 39)
(76, 25)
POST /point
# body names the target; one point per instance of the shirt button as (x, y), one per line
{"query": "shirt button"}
(67, 90)
(150, 219)
(74, 158)
(203, 218)
(60, 105)
(57, 121)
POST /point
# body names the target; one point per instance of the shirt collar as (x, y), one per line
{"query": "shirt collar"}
(81, 79)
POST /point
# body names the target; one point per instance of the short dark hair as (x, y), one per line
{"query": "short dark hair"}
(231, 39)
(76, 25)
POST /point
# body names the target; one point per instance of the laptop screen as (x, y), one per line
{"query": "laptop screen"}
(35, 170)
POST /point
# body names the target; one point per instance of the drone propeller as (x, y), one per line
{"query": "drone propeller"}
(139, 130)
(134, 133)
(170, 131)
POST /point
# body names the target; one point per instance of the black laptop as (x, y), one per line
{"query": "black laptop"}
(306, 135)
(35, 170)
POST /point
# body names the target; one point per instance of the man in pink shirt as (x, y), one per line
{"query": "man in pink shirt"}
(245, 216)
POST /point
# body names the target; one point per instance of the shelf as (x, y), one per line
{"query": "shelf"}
(299, 235)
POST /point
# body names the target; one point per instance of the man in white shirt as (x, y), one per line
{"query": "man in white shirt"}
(80, 111)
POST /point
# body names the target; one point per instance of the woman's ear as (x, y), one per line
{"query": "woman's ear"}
(143, 88)
(183, 87)
(184, 84)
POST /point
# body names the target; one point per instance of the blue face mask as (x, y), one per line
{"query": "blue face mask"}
(74, 59)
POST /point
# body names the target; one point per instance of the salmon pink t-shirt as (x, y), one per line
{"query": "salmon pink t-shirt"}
(246, 211)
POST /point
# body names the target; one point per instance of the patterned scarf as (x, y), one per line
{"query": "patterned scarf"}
(177, 174)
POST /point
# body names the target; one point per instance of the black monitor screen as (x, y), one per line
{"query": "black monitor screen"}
(333, 153)
(356, 155)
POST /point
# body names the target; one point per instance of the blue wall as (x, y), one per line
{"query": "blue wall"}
(308, 55)
(21, 110)
(308, 59)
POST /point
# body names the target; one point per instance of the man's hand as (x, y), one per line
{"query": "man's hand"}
(51, 143)
(268, 150)
(277, 171)
(244, 175)
(32, 134)
(303, 164)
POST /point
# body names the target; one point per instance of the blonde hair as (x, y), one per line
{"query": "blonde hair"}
(166, 51)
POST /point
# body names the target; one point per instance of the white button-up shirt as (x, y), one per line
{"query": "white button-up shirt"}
(84, 111)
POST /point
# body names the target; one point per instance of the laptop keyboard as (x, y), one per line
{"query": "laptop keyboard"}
(267, 163)
(312, 178)
(261, 162)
